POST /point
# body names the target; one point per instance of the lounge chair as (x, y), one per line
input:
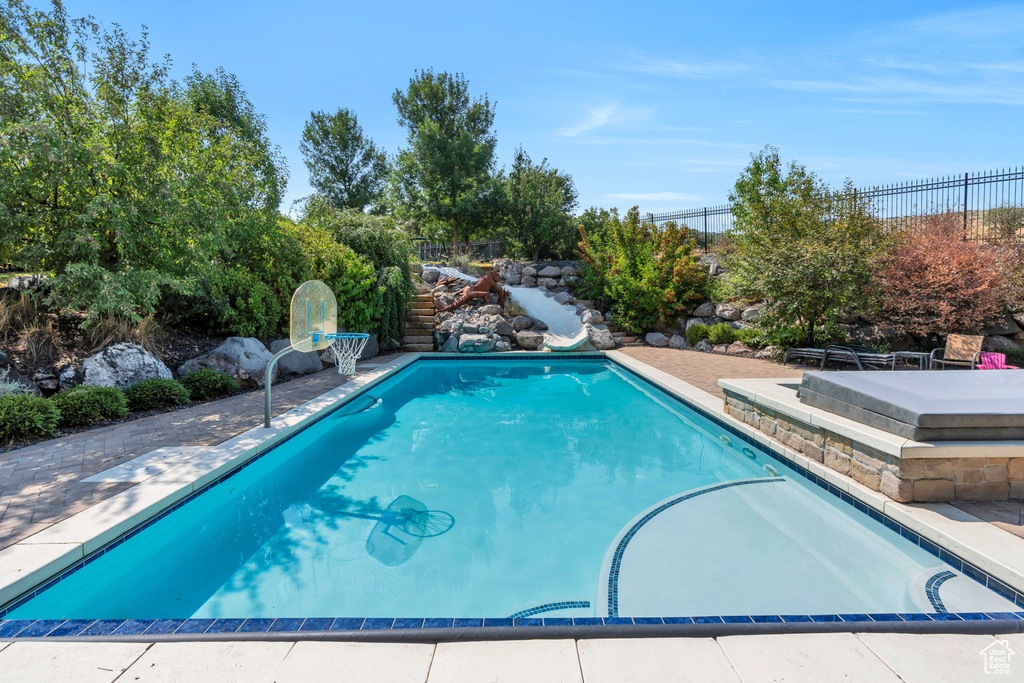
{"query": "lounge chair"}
(995, 361)
(861, 356)
(806, 354)
(963, 350)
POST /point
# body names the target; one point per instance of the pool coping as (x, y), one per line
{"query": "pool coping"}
(54, 550)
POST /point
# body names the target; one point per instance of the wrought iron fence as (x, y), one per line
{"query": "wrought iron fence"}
(488, 250)
(978, 197)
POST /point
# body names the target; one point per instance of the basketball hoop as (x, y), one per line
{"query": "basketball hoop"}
(347, 346)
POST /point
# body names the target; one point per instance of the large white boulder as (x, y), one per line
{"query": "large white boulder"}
(244, 358)
(601, 338)
(123, 365)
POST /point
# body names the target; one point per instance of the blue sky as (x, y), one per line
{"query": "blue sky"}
(658, 104)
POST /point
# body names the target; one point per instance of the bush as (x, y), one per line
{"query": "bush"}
(722, 333)
(804, 249)
(25, 416)
(150, 394)
(85, 404)
(936, 282)
(749, 336)
(204, 384)
(646, 274)
(696, 334)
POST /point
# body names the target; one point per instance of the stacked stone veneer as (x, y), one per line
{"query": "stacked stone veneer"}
(924, 480)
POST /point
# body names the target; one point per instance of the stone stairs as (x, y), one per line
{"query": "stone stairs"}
(419, 324)
(624, 338)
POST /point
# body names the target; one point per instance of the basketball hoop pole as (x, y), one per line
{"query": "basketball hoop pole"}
(268, 377)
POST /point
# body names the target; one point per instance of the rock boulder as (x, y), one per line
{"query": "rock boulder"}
(656, 339)
(728, 312)
(296, 362)
(475, 343)
(430, 276)
(529, 271)
(528, 339)
(521, 322)
(244, 358)
(550, 271)
(600, 337)
(677, 341)
(705, 310)
(123, 365)
(592, 317)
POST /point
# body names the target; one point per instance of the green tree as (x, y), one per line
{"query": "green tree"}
(445, 172)
(344, 165)
(111, 176)
(804, 249)
(541, 201)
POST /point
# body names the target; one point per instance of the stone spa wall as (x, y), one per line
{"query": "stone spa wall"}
(922, 480)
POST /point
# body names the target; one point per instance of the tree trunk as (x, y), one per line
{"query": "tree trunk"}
(455, 235)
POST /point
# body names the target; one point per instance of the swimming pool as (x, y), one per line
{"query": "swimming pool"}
(518, 487)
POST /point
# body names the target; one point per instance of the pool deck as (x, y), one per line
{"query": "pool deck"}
(41, 485)
(819, 657)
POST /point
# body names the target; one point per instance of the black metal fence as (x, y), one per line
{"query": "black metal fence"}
(978, 197)
(487, 251)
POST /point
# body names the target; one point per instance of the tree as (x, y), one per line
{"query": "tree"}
(446, 169)
(344, 165)
(111, 175)
(540, 205)
(805, 250)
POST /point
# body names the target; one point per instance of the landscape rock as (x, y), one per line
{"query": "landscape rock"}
(27, 283)
(539, 324)
(1018, 318)
(739, 349)
(46, 382)
(705, 310)
(769, 353)
(244, 358)
(1004, 326)
(297, 363)
(602, 339)
(521, 322)
(728, 312)
(751, 314)
(513, 279)
(528, 339)
(548, 282)
(568, 271)
(564, 298)
(71, 377)
(452, 344)
(720, 348)
(677, 341)
(123, 365)
(489, 309)
(592, 317)
(690, 322)
(440, 289)
(501, 327)
(431, 275)
(502, 346)
(704, 345)
(656, 339)
(550, 271)
(1000, 344)
(528, 280)
(475, 343)
(529, 271)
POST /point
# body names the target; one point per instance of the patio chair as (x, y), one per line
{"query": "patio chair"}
(995, 361)
(963, 350)
(858, 355)
(806, 354)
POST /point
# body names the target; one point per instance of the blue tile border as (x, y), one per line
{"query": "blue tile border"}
(551, 607)
(931, 589)
(86, 628)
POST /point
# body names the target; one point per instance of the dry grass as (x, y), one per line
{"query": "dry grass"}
(147, 333)
(29, 328)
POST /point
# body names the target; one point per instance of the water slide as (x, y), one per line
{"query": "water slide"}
(565, 329)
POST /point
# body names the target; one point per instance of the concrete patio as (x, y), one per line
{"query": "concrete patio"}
(817, 658)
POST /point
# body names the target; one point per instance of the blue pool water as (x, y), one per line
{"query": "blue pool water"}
(488, 488)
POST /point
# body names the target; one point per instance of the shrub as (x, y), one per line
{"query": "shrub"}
(25, 416)
(749, 336)
(936, 282)
(806, 250)
(204, 384)
(722, 333)
(696, 334)
(150, 394)
(1007, 221)
(646, 274)
(10, 385)
(85, 404)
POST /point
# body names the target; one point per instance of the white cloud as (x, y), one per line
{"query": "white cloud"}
(642, 63)
(597, 117)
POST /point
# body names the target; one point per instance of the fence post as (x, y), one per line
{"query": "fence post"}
(965, 206)
(705, 229)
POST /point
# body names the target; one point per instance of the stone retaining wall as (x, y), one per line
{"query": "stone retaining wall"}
(922, 480)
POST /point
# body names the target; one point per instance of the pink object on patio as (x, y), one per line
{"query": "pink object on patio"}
(995, 361)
